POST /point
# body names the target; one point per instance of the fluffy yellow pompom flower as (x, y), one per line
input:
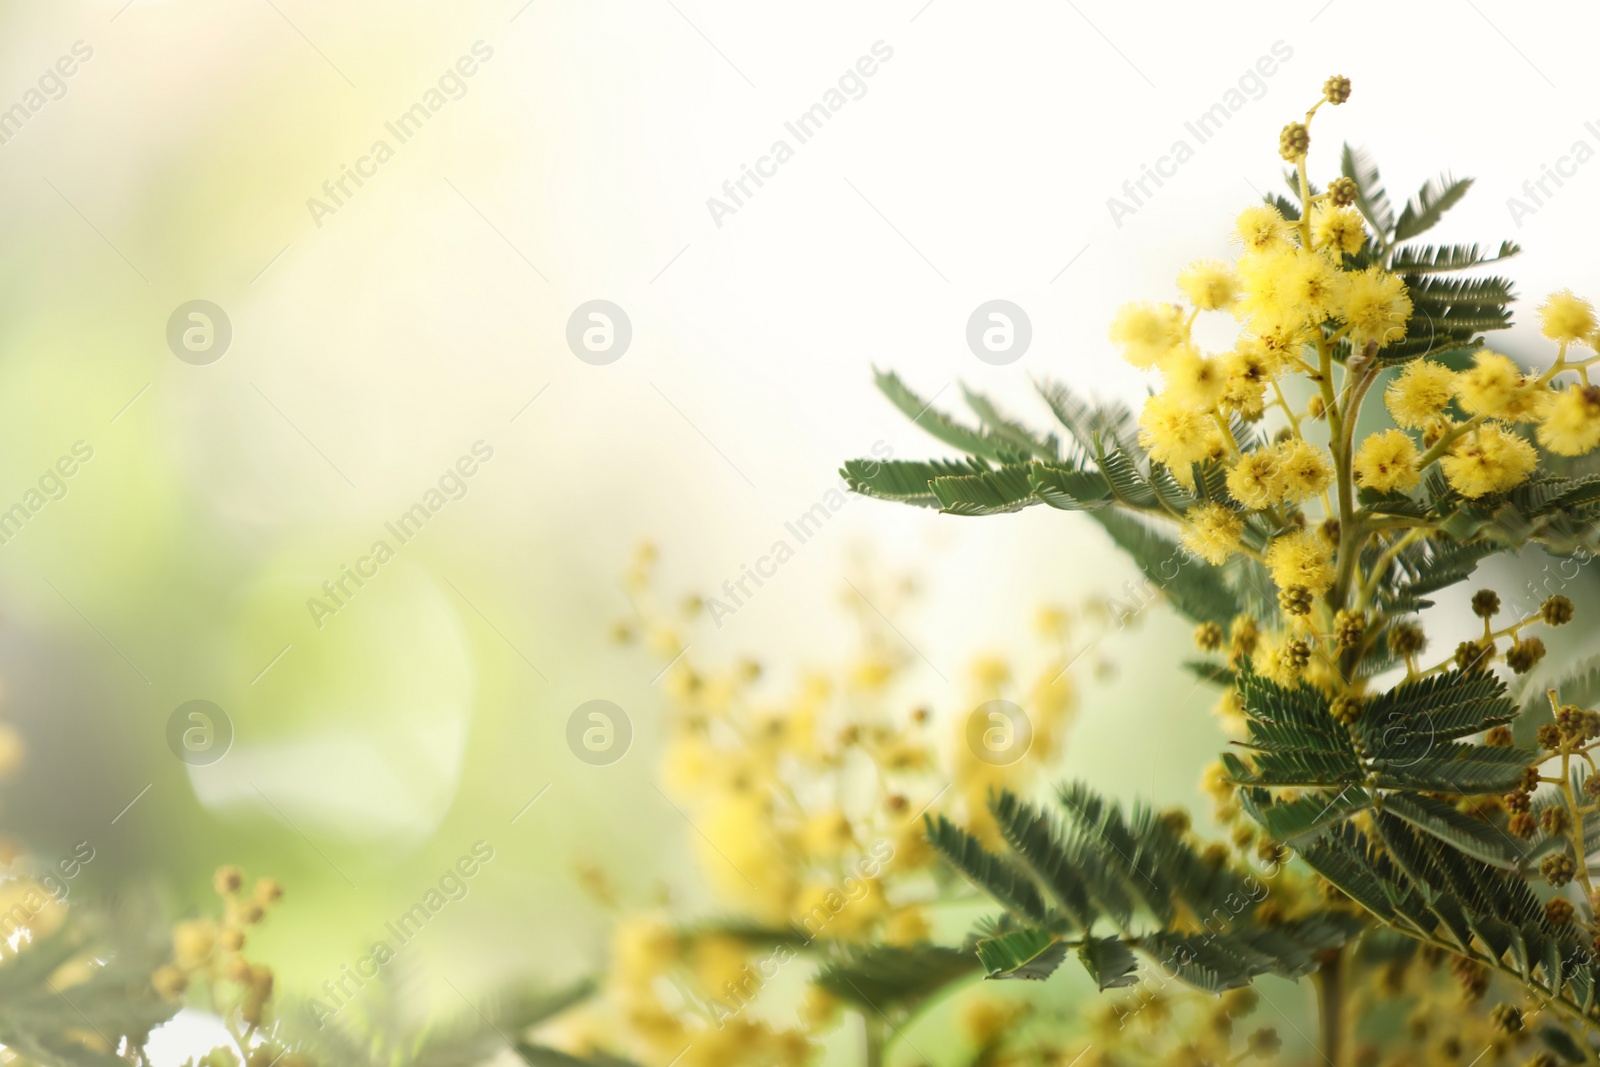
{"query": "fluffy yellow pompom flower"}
(1309, 284)
(1192, 379)
(1496, 387)
(1304, 470)
(1212, 532)
(1248, 374)
(1301, 558)
(1210, 284)
(1254, 481)
(1566, 318)
(1261, 282)
(1337, 229)
(1387, 462)
(1488, 460)
(1277, 344)
(1261, 228)
(1571, 425)
(1177, 435)
(1148, 332)
(1418, 395)
(1374, 304)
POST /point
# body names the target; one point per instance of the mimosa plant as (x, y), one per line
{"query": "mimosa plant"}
(1432, 794)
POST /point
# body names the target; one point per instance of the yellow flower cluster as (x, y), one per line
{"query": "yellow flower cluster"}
(214, 949)
(1272, 419)
(1158, 1022)
(1289, 290)
(745, 765)
(806, 803)
(650, 956)
(1482, 453)
(1305, 300)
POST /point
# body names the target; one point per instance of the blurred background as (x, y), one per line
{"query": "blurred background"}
(363, 341)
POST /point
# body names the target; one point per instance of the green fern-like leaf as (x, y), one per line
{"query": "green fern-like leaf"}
(884, 976)
(1411, 719)
(1068, 489)
(1081, 888)
(1128, 483)
(1044, 447)
(905, 481)
(1437, 259)
(1087, 422)
(986, 870)
(1429, 205)
(1451, 767)
(1028, 953)
(1197, 590)
(923, 414)
(1109, 962)
(1305, 817)
(1429, 566)
(44, 1023)
(1371, 200)
(1475, 837)
(1010, 488)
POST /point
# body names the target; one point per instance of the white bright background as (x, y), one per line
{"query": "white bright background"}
(427, 312)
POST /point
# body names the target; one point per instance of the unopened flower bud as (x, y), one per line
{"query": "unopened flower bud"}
(1294, 141)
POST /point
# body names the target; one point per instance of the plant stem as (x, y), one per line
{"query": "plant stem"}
(1575, 810)
(1329, 982)
(872, 1029)
(1381, 567)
